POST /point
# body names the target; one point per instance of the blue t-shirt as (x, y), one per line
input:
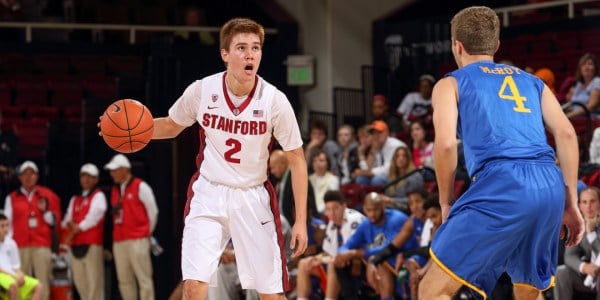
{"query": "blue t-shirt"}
(371, 238)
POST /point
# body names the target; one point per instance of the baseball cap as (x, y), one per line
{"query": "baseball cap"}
(380, 97)
(379, 126)
(118, 161)
(89, 169)
(27, 165)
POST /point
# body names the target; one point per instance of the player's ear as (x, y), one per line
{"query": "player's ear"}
(224, 55)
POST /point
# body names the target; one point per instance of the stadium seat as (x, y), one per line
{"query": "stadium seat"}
(30, 90)
(47, 113)
(33, 138)
(65, 91)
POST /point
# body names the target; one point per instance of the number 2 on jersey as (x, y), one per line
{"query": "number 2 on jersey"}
(236, 146)
(508, 85)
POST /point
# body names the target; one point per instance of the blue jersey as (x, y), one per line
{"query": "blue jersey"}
(372, 238)
(500, 115)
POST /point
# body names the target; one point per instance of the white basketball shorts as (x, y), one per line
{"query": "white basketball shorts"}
(218, 213)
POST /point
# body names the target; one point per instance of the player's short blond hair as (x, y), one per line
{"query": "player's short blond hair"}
(240, 25)
(478, 29)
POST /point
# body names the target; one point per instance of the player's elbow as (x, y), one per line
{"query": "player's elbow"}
(566, 133)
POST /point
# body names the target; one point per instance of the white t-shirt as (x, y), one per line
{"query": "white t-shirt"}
(234, 141)
(413, 104)
(9, 256)
(352, 219)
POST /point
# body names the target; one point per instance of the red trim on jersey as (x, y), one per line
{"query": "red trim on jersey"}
(280, 240)
(199, 159)
(245, 103)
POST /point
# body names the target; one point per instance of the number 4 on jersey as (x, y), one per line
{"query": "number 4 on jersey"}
(508, 85)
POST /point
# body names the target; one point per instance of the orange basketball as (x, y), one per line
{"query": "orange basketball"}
(127, 126)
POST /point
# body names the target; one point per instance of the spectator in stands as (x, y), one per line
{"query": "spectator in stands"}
(403, 178)
(547, 76)
(135, 214)
(417, 105)
(422, 146)
(319, 141)
(194, 17)
(348, 159)
(385, 146)
(343, 221)
(582, 260)
(279, 168)
(34, 213)
(85, 221)
(587, 88)
(12, 279)
(372, 235)
(9, 155)
(322, 179)
(365, 151)
(380, 111)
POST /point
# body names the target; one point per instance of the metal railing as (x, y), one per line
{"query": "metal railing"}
(505, 11)
(132, 29)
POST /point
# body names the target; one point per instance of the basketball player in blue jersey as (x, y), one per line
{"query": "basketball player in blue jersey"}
(509, 220)
(240, 114)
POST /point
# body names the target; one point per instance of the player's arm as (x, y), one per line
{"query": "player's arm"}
(166, 128)
(299, 172)
(444, 101)
(567, 151)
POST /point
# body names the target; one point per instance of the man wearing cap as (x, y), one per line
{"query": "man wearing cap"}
(417, 105)
(33, 210)
(85, 219)
(134, 214)
(385, 146)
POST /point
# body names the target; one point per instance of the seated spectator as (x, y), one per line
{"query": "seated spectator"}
(384, 145)
(396, 193)
(547, 76)
(319, 141)
(380, 111)
(321, 179)
(348, 159)
(343, 221)
(417, 105)
(365, 152)
(579, 262)
(422, 146)
(587, 88)
(372, 235)
(194, 17)
(12, 279)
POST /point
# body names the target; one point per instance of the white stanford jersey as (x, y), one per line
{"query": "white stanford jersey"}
(352, 218)
(235, 142)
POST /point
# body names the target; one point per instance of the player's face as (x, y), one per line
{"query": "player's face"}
(374, 212)
(415, 203)
(28, 179)
(4, 226)
(344, 137)
(435, 215)
(589, 204)
(335, 212)
(87, 181)
(243, 56)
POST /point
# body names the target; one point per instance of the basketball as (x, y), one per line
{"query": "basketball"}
(127, 126)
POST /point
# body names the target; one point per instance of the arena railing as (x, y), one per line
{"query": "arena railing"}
(507, 10)
(132, 29)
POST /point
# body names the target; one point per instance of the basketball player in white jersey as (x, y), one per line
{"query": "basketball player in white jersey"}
(230, 196)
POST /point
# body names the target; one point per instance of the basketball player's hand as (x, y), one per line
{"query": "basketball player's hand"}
(299, 239)
(574, 223)
(98, 125)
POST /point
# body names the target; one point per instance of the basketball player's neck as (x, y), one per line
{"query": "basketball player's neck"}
(238, 88)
